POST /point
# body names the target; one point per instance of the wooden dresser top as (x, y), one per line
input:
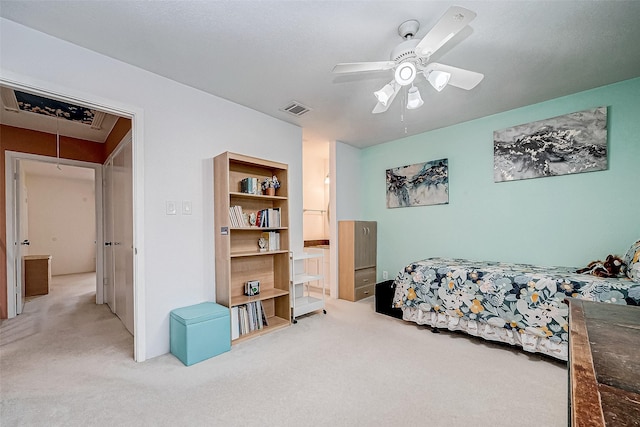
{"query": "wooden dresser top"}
(604, 364)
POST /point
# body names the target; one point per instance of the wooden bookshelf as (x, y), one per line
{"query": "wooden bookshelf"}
(238, 256)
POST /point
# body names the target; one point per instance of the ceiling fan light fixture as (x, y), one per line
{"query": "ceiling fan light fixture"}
(438, 79)
(385, 94)
(414, 100)
(405, 73)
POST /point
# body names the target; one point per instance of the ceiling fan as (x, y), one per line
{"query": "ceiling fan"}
(412, 57)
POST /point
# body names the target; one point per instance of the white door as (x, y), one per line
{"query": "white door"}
(21, 238)
(119, 233)
(108, 280)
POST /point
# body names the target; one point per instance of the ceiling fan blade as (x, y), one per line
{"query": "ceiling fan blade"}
(358, 67)
(454, 20)
(380, 107)
(460, 77)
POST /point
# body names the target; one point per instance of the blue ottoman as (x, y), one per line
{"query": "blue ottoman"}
(199, 332)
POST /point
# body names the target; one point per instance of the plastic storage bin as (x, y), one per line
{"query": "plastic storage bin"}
(199, 332)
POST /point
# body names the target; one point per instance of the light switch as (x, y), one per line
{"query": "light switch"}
(186, 207)
(171, 207)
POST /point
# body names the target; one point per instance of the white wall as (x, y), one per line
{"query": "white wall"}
(349, 189)
(184, 129)
(62, 222)
(566, 220)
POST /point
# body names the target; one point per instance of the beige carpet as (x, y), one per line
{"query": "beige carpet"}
(68, 362)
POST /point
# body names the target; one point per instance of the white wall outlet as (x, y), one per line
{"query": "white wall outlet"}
(385, 275)
(186, 207)
(171, 207)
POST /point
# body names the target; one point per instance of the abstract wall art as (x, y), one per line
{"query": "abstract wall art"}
(568, 144)
(418, 185)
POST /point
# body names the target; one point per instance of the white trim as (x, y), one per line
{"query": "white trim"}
(10, 237)
(136, 114)
(333, 222)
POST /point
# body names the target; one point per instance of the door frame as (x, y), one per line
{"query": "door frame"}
(10, 158)
(136, 114)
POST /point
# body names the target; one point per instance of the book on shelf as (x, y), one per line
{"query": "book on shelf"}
(235, 323)
(232, 216)
(273, 240)
(265, 321)
(268, 218)
(259, 314)
(242, 320)
(247, 318)
(250, 185)
(252, 317)
(237, 217)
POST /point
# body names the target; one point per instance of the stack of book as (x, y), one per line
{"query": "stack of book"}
(268, 218)
(273, 240)
(250, 185)
(237, 217)
(265, 218)
(247, 318)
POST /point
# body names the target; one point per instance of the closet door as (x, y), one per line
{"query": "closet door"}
(109, 288)
(118, 213)
(122, 244)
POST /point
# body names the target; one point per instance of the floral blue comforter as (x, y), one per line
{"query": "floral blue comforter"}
(516, 303)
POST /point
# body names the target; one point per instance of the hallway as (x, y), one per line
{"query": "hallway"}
(64, 326)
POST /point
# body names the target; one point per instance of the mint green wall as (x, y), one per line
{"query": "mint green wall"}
(565, 220)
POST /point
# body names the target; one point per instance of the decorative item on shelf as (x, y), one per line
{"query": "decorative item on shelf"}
(262, 244)
(251, 288)
(270, 185)
(252, 219)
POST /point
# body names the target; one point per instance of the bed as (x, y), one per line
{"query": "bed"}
(519, 304)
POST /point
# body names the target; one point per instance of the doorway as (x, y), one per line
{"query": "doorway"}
(57, 221)
(17, 166)
(135, 114)
(316, 219)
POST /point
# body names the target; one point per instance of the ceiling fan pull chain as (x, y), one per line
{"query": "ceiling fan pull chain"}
(404, 108)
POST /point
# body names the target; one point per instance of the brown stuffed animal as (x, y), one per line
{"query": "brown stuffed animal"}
(611, 267)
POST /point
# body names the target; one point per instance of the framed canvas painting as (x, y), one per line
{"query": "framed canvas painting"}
(568, 144)
(418, 185)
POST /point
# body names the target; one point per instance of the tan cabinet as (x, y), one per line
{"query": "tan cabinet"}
(37, 274)
(357, 251)
(248, 248)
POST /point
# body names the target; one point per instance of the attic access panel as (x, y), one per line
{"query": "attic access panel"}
(50, 107)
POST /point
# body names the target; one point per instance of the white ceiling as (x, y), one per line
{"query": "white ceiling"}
(263, 54)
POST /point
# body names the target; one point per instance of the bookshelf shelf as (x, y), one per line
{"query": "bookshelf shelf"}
(255, 196)
(274, 324)
(255, 253)
(238, 255)
(263, 295)
(258, 228)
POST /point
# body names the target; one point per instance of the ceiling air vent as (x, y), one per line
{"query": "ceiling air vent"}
(296, 108)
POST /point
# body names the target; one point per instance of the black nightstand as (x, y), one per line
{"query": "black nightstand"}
(384, 299)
